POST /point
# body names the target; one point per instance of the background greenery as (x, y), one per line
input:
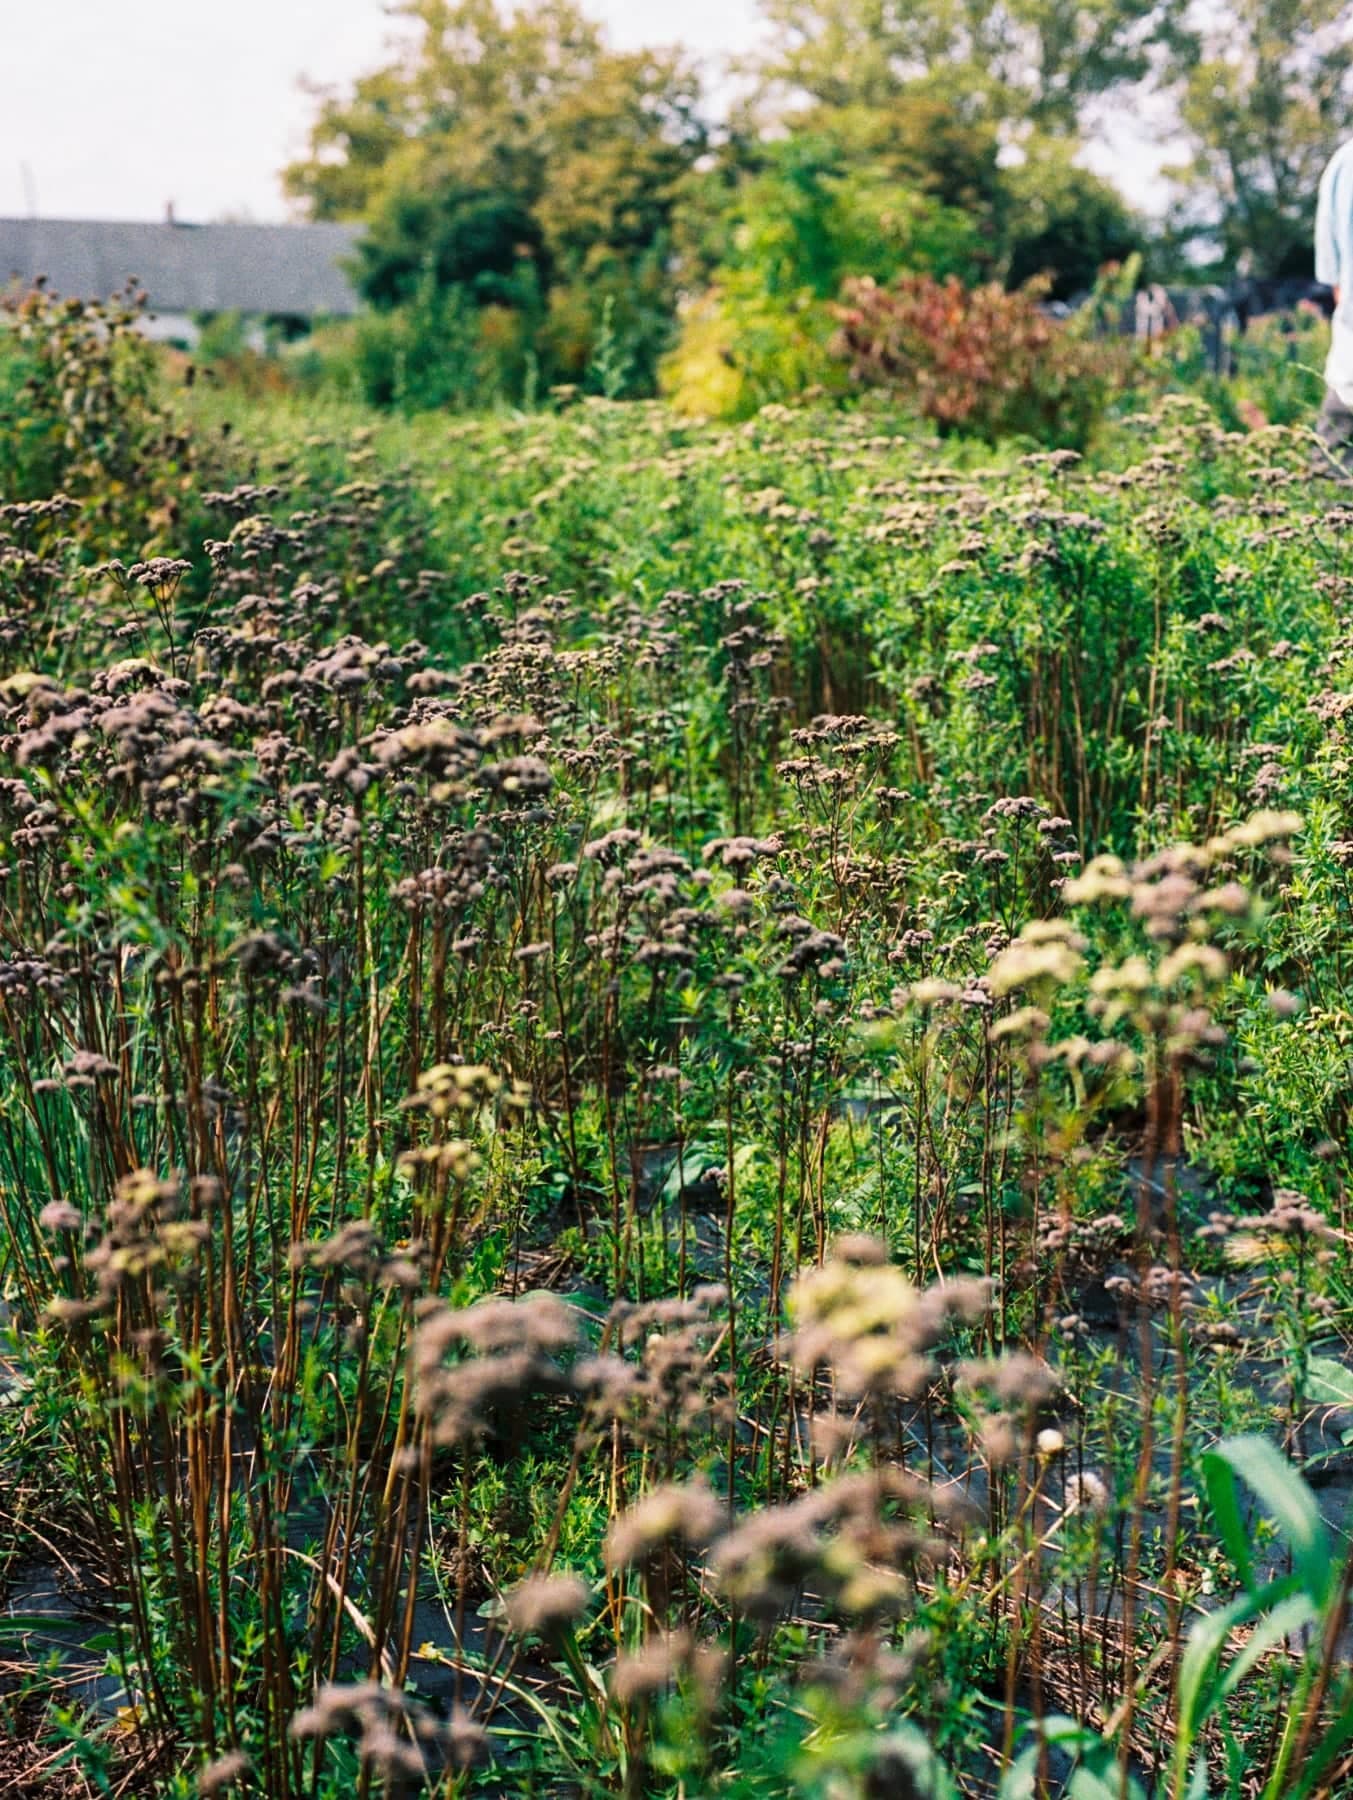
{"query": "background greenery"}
(675, 1104)
(543, 209)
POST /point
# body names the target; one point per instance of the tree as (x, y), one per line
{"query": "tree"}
(506, 142)
(916, 141)
(977, 106)
(487, 243)
(353, 141)
(1017, 63)
(1265, 96)
(530, 103)
(1064, 222)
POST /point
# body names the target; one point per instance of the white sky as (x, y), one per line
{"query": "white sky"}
(112, 108)
(118, 106)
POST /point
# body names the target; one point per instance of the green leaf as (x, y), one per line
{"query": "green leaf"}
(1284, 1618)
(1018, 1780)
(1202, 1649)
(1329, 1383)
(1198, 1693)
(24, 1625)
(1220, 1481)
(1286, 1498)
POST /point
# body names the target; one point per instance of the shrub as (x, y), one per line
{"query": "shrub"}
(807, 221)
(82, 397)
(439, 351)
(741, 349)
(1065, 223)
(977, 360)
(487, 243)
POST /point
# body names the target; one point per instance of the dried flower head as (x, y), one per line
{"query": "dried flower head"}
(686, 1514)
(545, 1605)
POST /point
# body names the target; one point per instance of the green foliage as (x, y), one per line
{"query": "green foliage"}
(487, 245)
(518, 160)
(1275, 374)
(444, 348)
(89, 441)
(1265, 99)
(510, 155)
(1065, 224)
(687, 1084)
(84, 415)
(811, 218)
(1039, 61)
(739, 350)
(1307, 1603)
(838, 202)
(808, 220)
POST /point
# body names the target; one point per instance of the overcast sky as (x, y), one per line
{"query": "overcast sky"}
(112, 108)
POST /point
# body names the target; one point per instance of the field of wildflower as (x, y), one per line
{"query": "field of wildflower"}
(675, 1100)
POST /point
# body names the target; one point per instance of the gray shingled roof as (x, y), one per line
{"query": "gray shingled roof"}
(187, 268)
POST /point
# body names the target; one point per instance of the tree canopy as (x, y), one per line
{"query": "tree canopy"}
(529, 103)
(1265, 94)
(1017, 62)
(511, 157)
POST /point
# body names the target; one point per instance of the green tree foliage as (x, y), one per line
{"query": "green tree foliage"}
(1042, 214)
(976, 107)
(540, 204)
(916, 143)
(1064, 223)
(812, 215)
(527, 101)
(1031, 62)
(544, 204)
(513, 153)
(1265, 95)
(808, 216)
(486, 242)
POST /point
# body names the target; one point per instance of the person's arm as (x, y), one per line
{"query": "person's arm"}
(1331, 202)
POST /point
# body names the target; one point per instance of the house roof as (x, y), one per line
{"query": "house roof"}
(294, 269)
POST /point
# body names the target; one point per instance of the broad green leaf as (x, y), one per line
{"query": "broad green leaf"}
(1018, 1781)
(1224, 1501)
(1329, 1383)
(1283, 1494)
(1284, 1618)
(1203, 1648)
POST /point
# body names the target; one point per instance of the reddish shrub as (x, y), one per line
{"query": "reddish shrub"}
(978, 360)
